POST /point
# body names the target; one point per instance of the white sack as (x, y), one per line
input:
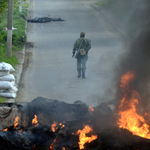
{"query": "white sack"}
(6, 84)
(13, 90)
(9, 77)
(6, 67)
(12, 82)
(8, 95)
(3, 73)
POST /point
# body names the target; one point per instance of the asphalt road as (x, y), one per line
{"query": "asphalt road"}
(52, 73)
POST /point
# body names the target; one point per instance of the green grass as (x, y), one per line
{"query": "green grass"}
(26, 5)
(19, 22)
(2, 99)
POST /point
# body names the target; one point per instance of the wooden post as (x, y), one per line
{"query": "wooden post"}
(9, 31)
(20, 6)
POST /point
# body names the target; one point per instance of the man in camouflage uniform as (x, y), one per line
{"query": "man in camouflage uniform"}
(82, 46)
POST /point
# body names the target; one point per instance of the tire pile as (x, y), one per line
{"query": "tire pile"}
(7, 81)
(43, 20)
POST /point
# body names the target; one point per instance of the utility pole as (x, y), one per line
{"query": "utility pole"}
(20, 6)
(9, 31)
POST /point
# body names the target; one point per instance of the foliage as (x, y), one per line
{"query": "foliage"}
(13, 60)
(2, 99)
(19, 23)
(4, 6)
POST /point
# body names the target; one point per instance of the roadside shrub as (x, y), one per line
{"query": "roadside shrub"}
(2, 49)
(14, 37)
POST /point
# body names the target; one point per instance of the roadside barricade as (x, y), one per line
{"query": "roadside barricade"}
(7, 81)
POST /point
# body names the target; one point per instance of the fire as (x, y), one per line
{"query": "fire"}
(53, 126)
(52, 145)
(21, 130)
(5, 130)
(83, 138)
(62, 126)
(126, 79)
(35, 121)
(16, 122)
(129, 119)
(91, 109)
(34, 146)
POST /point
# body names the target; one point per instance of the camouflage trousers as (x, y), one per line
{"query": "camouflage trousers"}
(81, 63)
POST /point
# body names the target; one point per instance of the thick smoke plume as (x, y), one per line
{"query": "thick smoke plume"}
(137, 57)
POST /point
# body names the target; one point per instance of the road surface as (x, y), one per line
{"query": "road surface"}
(52, 71)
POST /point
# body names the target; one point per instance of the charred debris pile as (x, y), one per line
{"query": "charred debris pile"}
(46, 124)
(44, 20)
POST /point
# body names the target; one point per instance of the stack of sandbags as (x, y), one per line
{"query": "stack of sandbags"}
(7, 81)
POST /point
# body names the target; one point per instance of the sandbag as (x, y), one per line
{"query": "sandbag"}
(9, 77)
(6, 84)
(12, 90)
(8, 95)
(6, 67)
(4, 73)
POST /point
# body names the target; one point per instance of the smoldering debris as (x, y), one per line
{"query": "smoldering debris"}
(44, 20)
(57, 125)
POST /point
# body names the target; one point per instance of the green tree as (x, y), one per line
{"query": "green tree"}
(4, 6)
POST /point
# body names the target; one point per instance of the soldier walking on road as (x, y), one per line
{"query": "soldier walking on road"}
(81, 48)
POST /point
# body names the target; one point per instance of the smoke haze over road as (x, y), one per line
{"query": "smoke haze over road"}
(137, 56)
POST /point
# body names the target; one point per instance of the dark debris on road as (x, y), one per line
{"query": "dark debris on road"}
(43, 20)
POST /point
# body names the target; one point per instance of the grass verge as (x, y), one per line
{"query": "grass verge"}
(19, 22)
(2, 99)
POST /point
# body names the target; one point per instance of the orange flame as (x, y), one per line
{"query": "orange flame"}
(83, 138)
(35, 121)
(62, 126)
(5, 130)
(126, 79)
(21, 131)
(52, 145)
(53, 126)
(16, 122)
(91, 109)
(129, 119)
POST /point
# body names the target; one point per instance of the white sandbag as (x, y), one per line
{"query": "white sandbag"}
(6, 84)
(12, 82)
(13, 90)
(3, 67)
(2, 91)
(3, 73)
(6, 67)
(9, 77)
(8, 95)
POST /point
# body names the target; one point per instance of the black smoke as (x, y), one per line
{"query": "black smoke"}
(137, 57)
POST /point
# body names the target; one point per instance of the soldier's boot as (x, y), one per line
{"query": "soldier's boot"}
(79, 74)
(83, 74)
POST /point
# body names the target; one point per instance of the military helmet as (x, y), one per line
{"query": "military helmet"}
(82, 34)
